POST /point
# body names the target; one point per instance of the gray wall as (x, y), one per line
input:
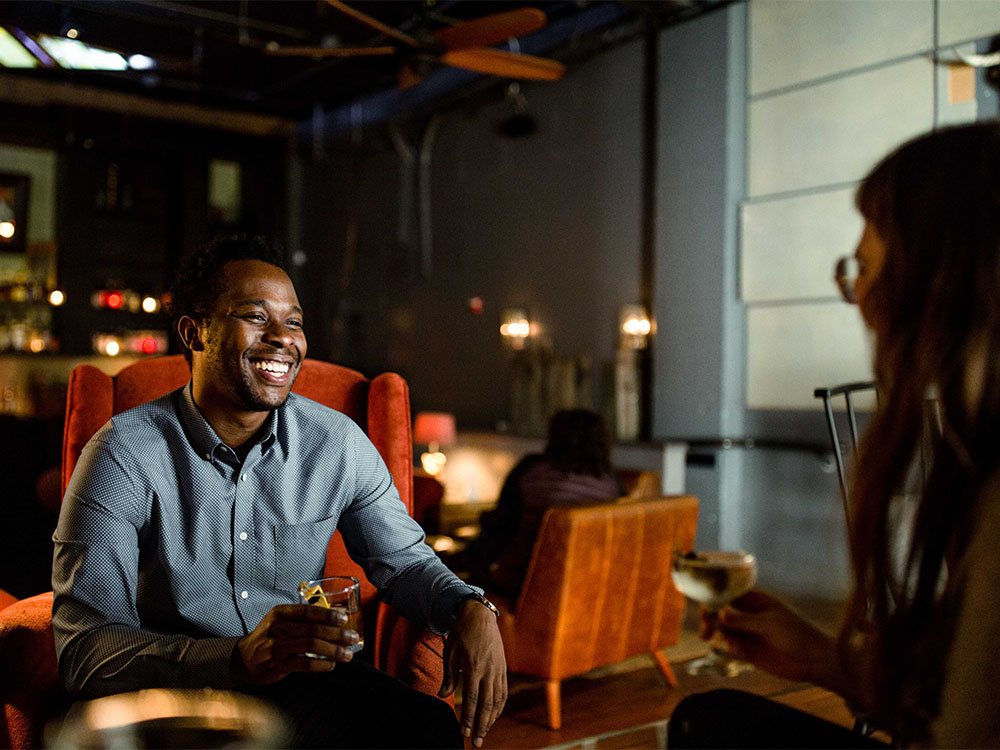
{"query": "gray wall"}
(549, 222)
(697, 359)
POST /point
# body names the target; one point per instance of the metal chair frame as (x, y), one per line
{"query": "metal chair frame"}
(828, 394)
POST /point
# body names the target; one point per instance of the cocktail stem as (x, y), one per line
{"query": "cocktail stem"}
(717, 644)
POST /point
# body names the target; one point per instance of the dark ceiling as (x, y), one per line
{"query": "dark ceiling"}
(214, 53)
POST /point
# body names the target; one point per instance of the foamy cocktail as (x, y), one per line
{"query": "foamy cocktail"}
(714, 578)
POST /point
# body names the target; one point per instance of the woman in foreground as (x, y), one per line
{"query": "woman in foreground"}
(919, 651)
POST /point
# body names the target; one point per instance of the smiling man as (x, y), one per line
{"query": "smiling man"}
(189, 521)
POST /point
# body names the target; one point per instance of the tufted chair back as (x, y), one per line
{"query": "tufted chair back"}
(381, 407)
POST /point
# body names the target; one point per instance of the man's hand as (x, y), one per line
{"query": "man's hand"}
(474, 648)
(279, 644)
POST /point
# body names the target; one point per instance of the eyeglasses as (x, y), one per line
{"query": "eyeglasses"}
(845, 274)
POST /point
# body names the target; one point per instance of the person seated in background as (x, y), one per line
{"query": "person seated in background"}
(574, 469)
(189, 520)
(917, 652)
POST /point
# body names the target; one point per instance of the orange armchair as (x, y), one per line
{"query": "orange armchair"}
(28, 677)
(598, 590)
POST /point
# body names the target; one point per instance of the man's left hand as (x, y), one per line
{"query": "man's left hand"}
(474, 648)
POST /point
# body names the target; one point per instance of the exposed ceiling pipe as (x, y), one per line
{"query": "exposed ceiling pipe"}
(424, 192)
(242, 21)
(385, 105)
(421, 186)
(407, 162)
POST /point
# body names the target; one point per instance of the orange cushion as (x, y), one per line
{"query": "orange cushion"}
(30, 687)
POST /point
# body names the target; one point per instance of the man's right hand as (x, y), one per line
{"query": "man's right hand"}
(279, 644)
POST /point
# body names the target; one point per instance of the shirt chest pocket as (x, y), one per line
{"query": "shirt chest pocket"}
(300, 552)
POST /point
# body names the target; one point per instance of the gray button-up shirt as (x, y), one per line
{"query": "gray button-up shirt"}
(168, 549)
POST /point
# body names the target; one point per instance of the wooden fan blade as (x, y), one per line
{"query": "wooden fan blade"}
(329, 52)
(497, 62)
(492, 29)
(408, 77)
(373, 23)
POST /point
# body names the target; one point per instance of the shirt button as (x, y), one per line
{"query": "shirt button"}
(243, 478)
(244, 594)
(243, 536)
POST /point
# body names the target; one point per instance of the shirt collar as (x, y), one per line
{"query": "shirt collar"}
(203, 438)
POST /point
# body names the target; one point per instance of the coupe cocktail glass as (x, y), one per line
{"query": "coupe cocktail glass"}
(714, 578)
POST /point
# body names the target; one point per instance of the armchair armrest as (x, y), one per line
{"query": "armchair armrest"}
(408, 652)
(30, 687)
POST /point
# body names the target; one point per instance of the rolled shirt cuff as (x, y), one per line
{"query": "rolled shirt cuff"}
(447, 601)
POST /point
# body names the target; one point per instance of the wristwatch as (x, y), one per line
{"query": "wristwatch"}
(482, 600)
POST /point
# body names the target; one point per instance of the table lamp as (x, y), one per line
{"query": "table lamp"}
(433, 429)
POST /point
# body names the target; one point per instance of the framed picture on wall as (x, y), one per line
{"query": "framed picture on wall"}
(13, 212)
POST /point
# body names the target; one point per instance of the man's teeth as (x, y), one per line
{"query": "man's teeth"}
(279, 368)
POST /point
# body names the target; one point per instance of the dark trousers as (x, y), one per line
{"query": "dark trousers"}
(734, 719)
(358, 706)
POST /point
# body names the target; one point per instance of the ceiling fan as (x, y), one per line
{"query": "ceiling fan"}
(464, 45)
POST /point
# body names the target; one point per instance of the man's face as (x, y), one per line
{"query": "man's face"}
(253, 342)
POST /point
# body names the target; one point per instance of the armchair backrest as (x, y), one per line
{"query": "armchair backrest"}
(380, 406)
(598, 588)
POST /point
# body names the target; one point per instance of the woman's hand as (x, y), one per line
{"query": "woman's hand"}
(763, 630)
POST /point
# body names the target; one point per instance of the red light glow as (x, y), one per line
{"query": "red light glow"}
(149, 345)
(113, 300)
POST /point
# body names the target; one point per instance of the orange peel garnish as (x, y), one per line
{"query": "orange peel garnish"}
(313, 595)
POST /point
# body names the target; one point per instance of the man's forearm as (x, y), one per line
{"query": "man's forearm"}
(427, 594)
(117, 658)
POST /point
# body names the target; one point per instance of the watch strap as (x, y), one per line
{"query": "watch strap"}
(481, 599)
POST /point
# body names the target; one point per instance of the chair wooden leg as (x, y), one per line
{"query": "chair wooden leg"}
(552, 704)
(665, 669)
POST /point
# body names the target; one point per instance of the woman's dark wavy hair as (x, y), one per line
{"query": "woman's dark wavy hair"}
(579, 443)
(197, 283)
(935, 203)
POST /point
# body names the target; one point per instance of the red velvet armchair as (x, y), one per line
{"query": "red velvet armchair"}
(28, 678)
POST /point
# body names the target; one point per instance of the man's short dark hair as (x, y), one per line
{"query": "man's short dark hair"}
(196, 286)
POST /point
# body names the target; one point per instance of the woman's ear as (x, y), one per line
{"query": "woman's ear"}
(187, 329)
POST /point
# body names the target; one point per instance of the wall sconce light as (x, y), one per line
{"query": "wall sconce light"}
(515, 327)
(433, 429)
(8, 221)
(635, 327)
(107, 344)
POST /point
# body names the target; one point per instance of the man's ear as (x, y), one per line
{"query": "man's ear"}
(188, 330)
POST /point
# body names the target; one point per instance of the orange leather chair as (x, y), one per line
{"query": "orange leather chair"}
(28, 677)
(598, 590)
(638, 483)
